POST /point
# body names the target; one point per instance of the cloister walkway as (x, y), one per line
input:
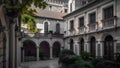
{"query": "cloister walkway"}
(41, 64)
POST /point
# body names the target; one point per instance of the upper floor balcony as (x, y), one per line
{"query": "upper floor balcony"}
(42, 35)
(93, 27)
(81, 29)
(109, 23)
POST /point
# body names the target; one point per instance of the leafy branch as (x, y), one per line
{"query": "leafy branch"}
(22, 9)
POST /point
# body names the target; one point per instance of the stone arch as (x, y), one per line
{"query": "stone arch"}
(56, 49)
(92, 42)
(44, 52)
(29, 48)
(108, 45)
(71, 44)
(24, 39)
(81, 45)
(103, 36)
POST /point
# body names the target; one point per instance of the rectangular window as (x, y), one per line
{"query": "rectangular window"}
(92, 18)
(108, 12)
(71, 24)
(81, 22)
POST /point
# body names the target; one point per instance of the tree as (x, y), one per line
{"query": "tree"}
(21, 9)
(30, 22)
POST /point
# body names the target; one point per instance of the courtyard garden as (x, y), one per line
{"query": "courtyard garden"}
(68, 59)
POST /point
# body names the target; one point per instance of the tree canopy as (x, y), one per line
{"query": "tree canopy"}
(23, 10)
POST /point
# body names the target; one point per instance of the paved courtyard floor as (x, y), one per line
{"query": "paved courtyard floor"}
(41, 64)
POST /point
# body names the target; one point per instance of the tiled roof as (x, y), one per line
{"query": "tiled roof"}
(49, 14)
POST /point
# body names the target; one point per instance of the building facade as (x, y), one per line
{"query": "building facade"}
(48, 42)
(94, 27)
(90, 25)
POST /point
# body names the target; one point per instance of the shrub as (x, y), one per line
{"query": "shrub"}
(86, 55)
(96, 60)
(83, 64)
(105, 64)
(118, 57)
(64, 55)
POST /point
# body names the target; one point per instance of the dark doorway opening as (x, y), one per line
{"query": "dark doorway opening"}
(44, 52)
(56, 49)
(109, 47)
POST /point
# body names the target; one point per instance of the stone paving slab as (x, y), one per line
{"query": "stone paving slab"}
(41, 64)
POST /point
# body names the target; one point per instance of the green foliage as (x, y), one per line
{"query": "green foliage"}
(30, 22)
(85, 55)
(118, 57)
(96, 60)
(106, 64)
(22, 9)
(64, 56)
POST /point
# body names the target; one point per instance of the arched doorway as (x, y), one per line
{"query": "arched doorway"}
(56, 49)
(71, 44)
(81, 46)
(29, 48)
(109, 47)
(44, 52)
(93, 47)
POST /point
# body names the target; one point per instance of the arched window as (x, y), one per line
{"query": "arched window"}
(46, 27)
(57, 28)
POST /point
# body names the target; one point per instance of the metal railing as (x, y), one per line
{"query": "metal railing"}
(109, 22)
(92, 26)
(42, 35)
(81, 29)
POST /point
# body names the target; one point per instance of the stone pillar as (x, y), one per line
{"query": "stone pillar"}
(37, 53)
(23, 55)
(102, 48)
(115, 48)
(87, 47)
(98, 48)
(51, 53)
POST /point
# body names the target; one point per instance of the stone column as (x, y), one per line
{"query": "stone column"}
(23, 55)
(87, 47)
(102, 48)
(115, 48)
(37, 53)
(51, 53)
(98, 48)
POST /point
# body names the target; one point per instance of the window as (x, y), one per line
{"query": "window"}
(71, 24)
(57, 28)
(46, 27)
(108, 12)
(92, 18)
(81, 22)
